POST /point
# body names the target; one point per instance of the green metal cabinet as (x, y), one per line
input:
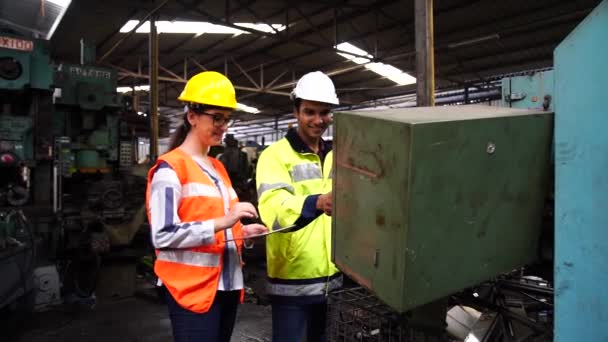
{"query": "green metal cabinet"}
(428, 201)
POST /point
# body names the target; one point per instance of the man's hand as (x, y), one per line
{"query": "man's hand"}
(324, 203)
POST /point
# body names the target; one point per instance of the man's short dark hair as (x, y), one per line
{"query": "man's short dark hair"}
(296, 103)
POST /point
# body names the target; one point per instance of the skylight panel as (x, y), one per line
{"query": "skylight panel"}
(360, 56)
(198, 27)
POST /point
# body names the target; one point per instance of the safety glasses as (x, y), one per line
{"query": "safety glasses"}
(219, 120)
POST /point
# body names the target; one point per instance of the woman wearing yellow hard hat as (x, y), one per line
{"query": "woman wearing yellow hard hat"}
(195, 215)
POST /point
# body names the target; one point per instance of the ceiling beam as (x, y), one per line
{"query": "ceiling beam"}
(302, 34)
(130, 33)
(213, 46)
(312, 25)
(522, 29)
(255, 84)
(523, 13)
(115, 32)
(128, 73)
(257, 17)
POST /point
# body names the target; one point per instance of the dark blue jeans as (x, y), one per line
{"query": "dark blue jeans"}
(291, 322)
(213, 326)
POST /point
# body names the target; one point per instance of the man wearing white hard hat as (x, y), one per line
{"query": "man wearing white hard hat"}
(294, 189)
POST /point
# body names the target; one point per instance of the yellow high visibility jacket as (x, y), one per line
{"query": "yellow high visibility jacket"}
(290, 178)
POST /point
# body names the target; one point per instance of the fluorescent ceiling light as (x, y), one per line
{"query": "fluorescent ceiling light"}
(197, 27)
(246, 108)
(63, 4)
(386, 70)
(348, 47)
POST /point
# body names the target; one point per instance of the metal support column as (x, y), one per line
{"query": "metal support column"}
(431, 316)
(153, 110)
(425, 57)
(276, 128)
(185, 68)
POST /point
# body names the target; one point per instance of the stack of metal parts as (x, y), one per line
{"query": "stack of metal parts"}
(513, 307)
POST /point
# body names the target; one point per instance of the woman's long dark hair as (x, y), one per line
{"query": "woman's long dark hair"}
(182, 131)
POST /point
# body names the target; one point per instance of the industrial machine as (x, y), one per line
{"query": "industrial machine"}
(25, 86)
(581, 181)
(67, 190)
(25, 90)
(94, 147)
(532, 91)
(98, 200)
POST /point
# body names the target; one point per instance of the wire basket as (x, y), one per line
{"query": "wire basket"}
(355, 314)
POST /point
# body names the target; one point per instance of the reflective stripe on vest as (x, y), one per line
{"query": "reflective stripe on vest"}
(303, 172)
(315, 289)
(267, 187)
(198, 189)
(191, 258)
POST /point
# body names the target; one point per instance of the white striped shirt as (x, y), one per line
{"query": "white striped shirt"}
(168, 231)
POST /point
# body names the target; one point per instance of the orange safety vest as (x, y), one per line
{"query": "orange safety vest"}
(192, 275)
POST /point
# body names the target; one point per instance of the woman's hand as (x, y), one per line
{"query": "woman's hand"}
(253, 229)
(240, 211)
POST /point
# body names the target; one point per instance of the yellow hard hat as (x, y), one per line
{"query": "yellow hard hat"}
(210, 88)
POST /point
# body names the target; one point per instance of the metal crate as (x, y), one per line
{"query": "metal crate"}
(431, 200)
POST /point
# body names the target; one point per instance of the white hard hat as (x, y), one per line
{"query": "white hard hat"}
(315, 86)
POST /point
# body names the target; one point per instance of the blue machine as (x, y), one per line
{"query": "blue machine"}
(581, 166)
(533, 91)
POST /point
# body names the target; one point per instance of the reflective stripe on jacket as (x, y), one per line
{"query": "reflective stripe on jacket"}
(290, 178)
(192, 274)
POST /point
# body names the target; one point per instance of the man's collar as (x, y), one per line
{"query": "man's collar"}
(299, 146)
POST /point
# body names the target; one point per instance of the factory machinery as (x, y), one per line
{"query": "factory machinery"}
(67, 193)
(493, 217)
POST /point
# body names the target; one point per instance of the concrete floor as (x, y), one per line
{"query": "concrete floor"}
(132, 319)
(127, 309)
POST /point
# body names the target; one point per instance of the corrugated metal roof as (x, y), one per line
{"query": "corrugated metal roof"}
(32, 17)
(475, 40)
